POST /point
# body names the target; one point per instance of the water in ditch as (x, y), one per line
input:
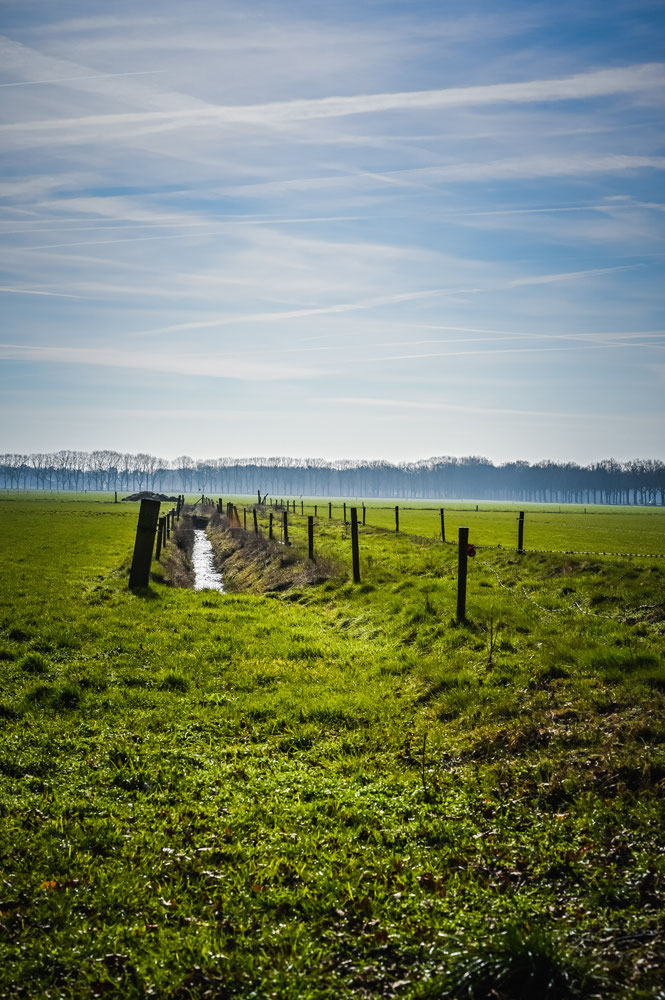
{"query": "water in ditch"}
(206, 576)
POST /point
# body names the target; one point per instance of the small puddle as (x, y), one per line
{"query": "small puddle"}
(206, 576)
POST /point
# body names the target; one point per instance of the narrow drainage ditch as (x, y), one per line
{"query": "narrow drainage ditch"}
(206, 576)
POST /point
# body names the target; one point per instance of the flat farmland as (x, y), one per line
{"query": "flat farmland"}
(327, 790)
(546, 527)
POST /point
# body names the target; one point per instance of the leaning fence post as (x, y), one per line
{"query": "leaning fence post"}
(355, 555)
(139, 575)
(396, 519)
(443, 527)
(520, 532)
(463, 538)
(285, 527)
(310, 536)
(256, 523)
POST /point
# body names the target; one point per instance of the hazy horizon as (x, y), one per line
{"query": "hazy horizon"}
(388, 229)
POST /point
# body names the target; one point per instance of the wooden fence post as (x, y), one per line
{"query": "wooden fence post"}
(364, 512)
(270, 532)
(256, 523)
(258, 494)
(463, 539)
(160, 529)
(330, 511)
(344, 513)
(316, 510)
(443, 527)
(285, 527)
(168, 526)
(302, 506)
(520, 532)
(310, 536)
(396, 519)
(115, 494)
(355, 555)
(244, 518)
(139, 575)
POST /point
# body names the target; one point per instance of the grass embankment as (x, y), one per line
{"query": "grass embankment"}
(331, 791)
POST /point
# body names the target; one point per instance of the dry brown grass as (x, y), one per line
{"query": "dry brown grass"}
(253, 563)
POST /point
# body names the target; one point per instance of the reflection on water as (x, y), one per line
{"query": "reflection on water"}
(206, 576)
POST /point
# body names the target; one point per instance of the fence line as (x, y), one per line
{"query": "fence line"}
(153, 528)
(482, 545)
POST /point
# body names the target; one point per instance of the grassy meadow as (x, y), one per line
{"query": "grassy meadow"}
(547, 527)
(333, 791)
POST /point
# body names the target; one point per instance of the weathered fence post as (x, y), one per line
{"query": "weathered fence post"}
(330, 511)
(355, 555)
(520, 532)
(310, 536)
(364, 512)
(270, 532)
(344, 513)
(462, 555)
(285, 527)
(258, 494)
(160, 528)
(139, 575)
(256, 523)
(443, 527)
(316, 510)
(168, 525)
(244, 518)
(115, 496)
(396, 519)
(302, 506)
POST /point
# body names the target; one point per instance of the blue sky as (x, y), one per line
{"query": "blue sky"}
(376, 229)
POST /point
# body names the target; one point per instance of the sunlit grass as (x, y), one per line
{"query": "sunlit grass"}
(330, 790)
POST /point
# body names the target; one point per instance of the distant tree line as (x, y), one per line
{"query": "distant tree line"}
(641, 481)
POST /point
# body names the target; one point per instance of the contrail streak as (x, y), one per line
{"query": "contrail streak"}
(70, 79)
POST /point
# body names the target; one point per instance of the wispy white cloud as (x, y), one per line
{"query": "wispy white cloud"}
(85, 76)
(183, 363)
(580, 86)
(266, 197)
(445, 407)
(35, 291)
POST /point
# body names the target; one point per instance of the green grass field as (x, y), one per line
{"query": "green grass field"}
(546, 527)
(331, 791)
